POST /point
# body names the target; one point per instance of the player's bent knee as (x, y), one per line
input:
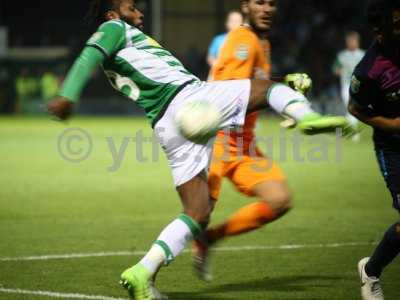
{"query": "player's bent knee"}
(277, 196)
(287, 203)
(280, 204)
(200, 215)
(284, 204)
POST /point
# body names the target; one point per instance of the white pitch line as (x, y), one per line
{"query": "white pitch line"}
(74, 255)
(57, 295)
(290, 247)
(219, 249)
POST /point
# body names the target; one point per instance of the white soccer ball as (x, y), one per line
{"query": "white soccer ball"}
(198, 121)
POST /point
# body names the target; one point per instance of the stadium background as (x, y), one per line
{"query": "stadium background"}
(70, 227)
(42, 38)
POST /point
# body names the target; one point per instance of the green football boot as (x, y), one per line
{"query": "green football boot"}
(315, 123)
(136, 281)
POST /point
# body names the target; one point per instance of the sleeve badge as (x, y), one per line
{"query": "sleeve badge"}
(242, 52)
(355, 84)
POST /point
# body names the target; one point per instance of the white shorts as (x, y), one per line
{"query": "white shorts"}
(186, 158)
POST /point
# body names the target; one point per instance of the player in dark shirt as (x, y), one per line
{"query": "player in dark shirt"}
(375, 100)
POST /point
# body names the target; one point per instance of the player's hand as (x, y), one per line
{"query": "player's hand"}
(61, 108)
(300, 82)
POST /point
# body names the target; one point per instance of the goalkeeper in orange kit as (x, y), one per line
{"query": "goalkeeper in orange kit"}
(246, 54)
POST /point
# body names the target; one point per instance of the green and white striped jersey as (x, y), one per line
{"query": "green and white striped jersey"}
(139, 68)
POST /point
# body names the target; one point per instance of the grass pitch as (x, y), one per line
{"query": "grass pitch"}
(51, 206)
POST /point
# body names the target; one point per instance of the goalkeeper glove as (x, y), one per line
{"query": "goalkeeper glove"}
(300, 82)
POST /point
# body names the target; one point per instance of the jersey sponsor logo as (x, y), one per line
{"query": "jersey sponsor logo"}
(153, 42)
(242, 52)
(355, 84)
(96, 37)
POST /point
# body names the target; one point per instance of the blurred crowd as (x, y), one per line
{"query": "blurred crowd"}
(306, 37)
(31, 88)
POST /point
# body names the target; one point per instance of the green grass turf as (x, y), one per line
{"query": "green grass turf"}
(50, 206)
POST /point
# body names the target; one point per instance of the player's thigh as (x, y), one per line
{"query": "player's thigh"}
(262, 177)
(185, 158)
(221, 164)
(215, 177)
(230, 98)
(389, 162)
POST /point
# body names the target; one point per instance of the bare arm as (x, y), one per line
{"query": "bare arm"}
(376, 121)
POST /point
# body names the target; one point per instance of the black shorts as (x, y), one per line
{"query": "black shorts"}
(389, 162)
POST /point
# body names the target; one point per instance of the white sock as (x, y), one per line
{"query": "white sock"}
(287, 101)
(154, 259)
(171, 243)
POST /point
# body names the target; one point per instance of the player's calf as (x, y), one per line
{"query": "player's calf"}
(275, 201)
(387, 250)
(195, 199)
(280, 97)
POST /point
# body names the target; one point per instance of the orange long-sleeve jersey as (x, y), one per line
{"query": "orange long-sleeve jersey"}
(243, 56)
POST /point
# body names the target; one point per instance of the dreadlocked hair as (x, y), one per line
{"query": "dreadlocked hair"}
(379, 11)
(97, 11)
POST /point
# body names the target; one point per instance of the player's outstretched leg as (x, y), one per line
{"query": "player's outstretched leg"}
(371, 268)
(275, 201)
(288, 102)
(172, 240)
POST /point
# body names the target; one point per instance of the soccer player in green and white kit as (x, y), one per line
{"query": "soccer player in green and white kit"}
(139, 68)
(344, 66)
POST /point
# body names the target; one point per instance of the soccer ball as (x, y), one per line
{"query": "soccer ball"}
(198, 121)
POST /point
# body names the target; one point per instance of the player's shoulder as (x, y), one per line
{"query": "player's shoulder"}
(243, 33)
(243, 39)
(220, 37)
(242, 43)
(117, 24)
(363, 69)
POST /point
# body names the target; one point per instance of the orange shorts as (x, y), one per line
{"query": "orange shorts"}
(244, 172)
